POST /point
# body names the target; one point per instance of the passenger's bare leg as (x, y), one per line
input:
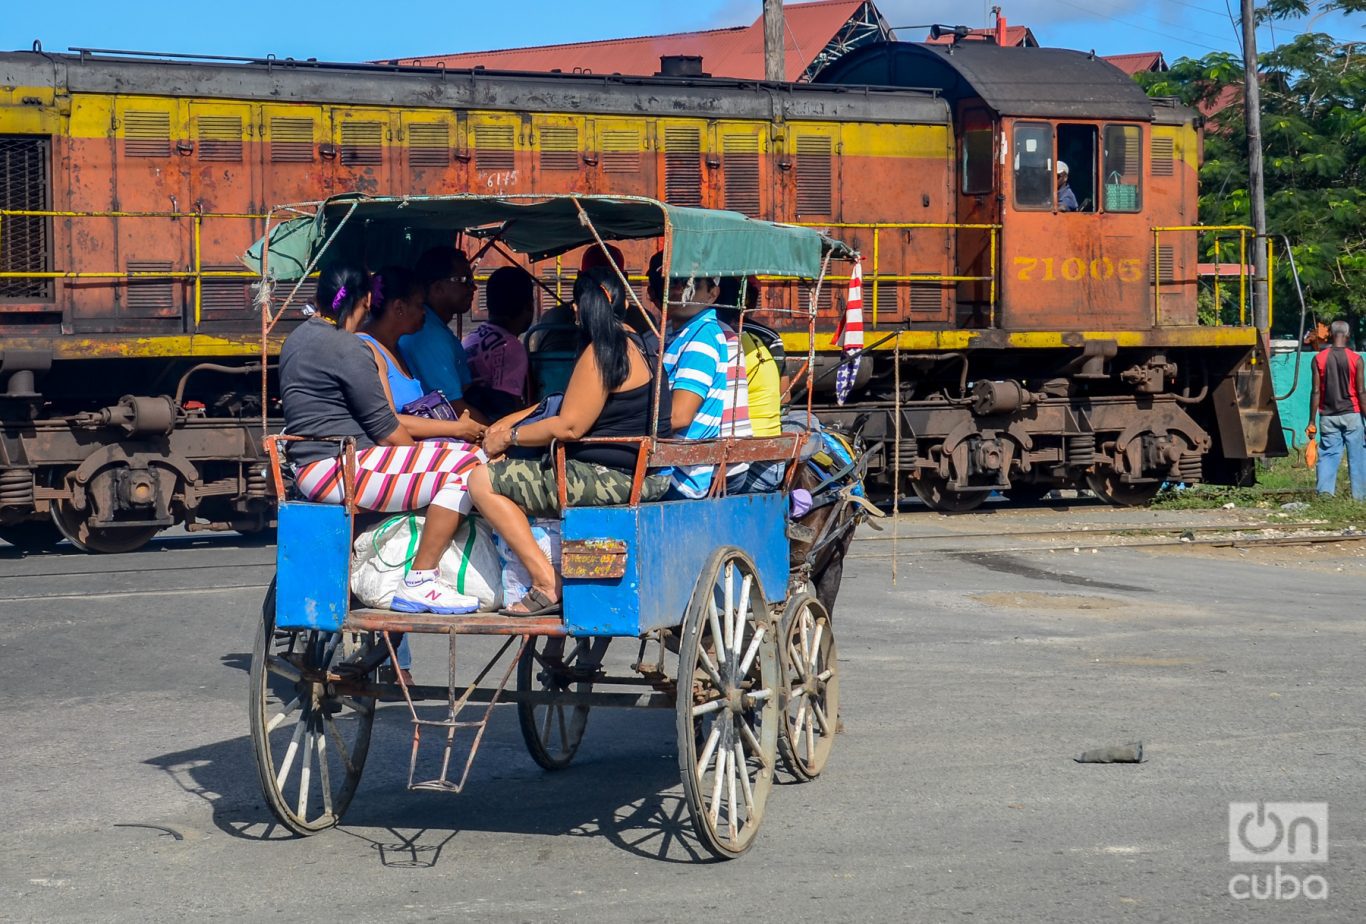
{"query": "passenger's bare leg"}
(437, 534)
(511, 523)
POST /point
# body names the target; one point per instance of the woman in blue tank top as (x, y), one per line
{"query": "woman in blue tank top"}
(396, 310)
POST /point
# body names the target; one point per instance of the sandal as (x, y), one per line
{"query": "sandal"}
(536, 603)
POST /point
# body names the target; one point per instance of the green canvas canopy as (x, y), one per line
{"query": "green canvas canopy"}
(378, 231)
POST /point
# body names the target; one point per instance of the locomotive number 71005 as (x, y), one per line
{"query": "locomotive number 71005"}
(1075, 269)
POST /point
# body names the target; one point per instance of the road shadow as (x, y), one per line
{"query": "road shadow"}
(624, 786)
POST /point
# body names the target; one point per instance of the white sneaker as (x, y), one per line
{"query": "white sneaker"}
(430, 595)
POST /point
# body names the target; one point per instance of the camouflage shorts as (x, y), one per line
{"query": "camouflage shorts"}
(530, 483)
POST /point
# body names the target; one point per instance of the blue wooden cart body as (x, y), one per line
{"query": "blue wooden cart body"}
(667, 546)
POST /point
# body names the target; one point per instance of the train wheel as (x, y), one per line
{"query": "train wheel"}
(32, 535)
(937, 495)
(76, 527)
(553, 731)
(310, 741)
(1110, 489)
(727, 708)
(810, 686)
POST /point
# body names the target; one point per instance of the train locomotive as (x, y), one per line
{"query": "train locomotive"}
(1011, 344)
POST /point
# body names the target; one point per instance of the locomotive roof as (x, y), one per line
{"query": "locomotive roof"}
(276, 81)
(1038, 82)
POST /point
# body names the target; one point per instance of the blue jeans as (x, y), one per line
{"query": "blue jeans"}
(1336, 433)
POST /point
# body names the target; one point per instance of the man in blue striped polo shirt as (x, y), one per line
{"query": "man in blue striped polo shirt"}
(710, 392)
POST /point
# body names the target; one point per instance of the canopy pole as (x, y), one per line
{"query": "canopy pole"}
(625, 283)
(896, 453)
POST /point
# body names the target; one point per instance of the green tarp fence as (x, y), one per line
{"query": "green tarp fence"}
(1294, 407)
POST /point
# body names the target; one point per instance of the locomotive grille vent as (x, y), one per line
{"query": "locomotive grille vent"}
(814, 175)
(224, 294)
(429, 144)
(742, 173)
(621, 151)
(825, 302)
(1165, 256)
(1164, 156)
(495, 147)
(291, 141)
(925, 298)
(146, 134)
(220, 138)
(149, 294)
(24, 241)
(682, 166)
(559, 149)
(362, 144)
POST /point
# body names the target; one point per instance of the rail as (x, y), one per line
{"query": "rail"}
(871, 280)
(197, 273)
(1219, 243)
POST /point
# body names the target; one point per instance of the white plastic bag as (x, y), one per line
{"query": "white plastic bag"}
(516, 579)
(382, 555)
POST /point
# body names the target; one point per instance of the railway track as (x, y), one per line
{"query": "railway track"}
(1083, 540)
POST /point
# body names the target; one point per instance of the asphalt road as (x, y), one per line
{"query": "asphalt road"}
(968, 686)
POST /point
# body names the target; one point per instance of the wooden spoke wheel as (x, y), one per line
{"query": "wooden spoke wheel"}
(811, 699)
(32, 535)
(1109, 488)
(310, 740)
(727, 709)
(553, 731)
(75, 526)
(938, 495)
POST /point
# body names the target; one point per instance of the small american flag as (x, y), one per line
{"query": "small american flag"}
(850, 336)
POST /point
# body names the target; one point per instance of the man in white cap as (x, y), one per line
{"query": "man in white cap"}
(1067, 200)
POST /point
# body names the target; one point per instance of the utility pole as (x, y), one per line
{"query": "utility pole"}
(773, 41)
(1252, 106)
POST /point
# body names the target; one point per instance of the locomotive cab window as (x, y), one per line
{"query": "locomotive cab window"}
(1033, 165)
(1122, 168)
(977, 161)
(1077, 150)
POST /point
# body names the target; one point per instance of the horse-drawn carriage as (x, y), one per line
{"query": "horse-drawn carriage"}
(730, 633)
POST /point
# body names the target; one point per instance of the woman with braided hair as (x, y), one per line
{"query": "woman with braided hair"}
(331, 385)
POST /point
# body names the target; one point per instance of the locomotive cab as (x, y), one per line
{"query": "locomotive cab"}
(1084, 358)
(1020, 115)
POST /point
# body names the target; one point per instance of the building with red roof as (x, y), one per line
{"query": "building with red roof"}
(817, 33)
(1143, 62)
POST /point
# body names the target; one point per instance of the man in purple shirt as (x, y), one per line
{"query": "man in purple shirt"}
(497, 359)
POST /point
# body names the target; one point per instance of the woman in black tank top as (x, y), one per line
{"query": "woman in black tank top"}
(611, 392)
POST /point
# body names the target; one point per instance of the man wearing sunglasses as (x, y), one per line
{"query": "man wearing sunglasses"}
(434, 354)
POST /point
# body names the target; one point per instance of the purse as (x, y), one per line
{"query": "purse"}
(433, 406)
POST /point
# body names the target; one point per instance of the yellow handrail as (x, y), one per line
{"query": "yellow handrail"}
(1243, 231)
(876, 277)
(197, 273)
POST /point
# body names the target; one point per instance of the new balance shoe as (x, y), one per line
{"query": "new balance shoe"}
(423, 592)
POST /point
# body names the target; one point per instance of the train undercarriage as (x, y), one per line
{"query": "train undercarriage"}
(109, 478)
(1120, 423)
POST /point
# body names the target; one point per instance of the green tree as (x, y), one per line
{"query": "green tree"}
(1314, 151)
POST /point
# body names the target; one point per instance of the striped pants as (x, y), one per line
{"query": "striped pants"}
(395, 478)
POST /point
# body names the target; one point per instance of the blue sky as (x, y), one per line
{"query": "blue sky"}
(352, 30)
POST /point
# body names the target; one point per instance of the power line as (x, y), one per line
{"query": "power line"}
(1134, 25)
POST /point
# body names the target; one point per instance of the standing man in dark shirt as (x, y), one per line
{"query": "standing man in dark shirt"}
(1338, 398)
